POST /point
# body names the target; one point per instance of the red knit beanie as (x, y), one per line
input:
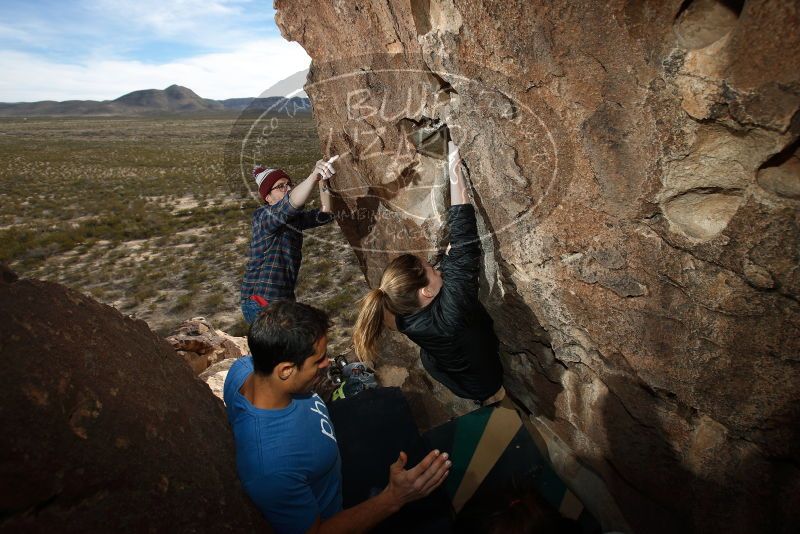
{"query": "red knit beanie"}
(266, 178)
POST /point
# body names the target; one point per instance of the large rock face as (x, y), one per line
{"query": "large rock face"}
(637, 174)
(105, 428)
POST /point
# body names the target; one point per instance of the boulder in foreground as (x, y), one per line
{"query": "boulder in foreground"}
(104, 427)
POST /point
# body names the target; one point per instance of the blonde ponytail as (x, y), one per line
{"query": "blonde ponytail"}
(369, 325)
(397, 295)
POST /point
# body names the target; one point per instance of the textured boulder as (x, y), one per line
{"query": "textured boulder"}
(430, 402)
(104, 427)
(216, 374)
(635, 168)
(201, 345)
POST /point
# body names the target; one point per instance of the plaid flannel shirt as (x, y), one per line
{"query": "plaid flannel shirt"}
(276, 249)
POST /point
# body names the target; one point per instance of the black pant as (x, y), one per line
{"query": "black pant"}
(371, 430)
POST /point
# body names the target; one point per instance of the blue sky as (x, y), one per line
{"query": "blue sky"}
(102, 49)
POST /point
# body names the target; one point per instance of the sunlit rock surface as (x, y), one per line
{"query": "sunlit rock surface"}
(635, 172)
(201, 345)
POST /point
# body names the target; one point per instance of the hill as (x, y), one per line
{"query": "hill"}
(173, 99)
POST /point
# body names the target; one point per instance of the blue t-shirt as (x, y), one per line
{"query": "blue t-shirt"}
(287, 460)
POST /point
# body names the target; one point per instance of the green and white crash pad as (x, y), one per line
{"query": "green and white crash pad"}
(492, 451)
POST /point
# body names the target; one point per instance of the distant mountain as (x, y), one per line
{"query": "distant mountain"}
(172, 100)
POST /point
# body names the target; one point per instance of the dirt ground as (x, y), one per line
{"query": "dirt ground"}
(140, 214)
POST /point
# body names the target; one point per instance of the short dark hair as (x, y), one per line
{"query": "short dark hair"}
(285, 331)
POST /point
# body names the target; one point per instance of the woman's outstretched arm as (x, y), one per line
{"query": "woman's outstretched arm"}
(461, 265)
(458, 186)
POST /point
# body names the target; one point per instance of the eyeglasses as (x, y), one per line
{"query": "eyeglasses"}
(283, 187)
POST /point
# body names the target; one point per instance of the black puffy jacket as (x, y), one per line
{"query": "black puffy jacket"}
(458, 345)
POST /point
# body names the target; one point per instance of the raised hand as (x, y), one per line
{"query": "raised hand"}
(458, 185)
(323, 170)
(322, 173)
(406, 485)
(453, 162)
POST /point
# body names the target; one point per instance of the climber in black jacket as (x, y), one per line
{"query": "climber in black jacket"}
(439, 310)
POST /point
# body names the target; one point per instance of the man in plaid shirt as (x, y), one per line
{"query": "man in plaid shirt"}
(276, 246)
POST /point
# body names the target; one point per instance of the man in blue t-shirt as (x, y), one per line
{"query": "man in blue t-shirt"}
(286, 451)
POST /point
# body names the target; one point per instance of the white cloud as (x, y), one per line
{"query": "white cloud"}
(246, 71)
(215, 24)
